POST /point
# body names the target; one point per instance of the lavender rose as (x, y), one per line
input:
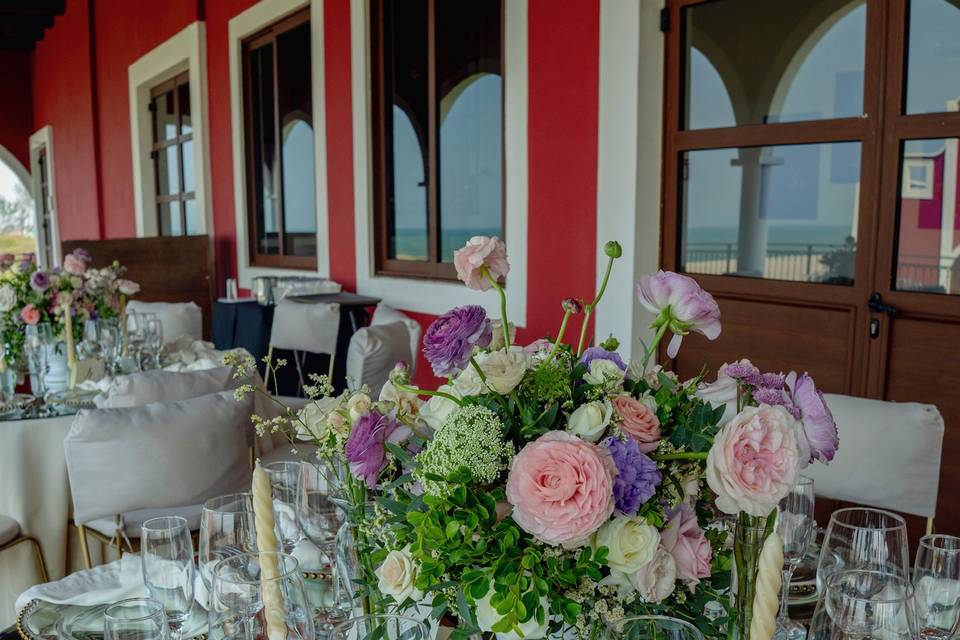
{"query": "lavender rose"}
(680, 304)
(637, 475)
(365, 449)
(818, 423)
(39, 281)
(449, 341)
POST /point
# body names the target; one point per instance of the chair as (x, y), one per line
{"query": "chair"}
(11, 536)
(889, 456)
(177, 318)
(305, 328)
(373, 353)
(385, 314)
(127, 465)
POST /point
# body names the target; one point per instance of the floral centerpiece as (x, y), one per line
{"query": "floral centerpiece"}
(548, 489)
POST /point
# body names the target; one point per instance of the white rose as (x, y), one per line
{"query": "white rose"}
(314, 418)
(604, 372)
(631, 543)
(404, 401)
(436, 410)
(504, 369)
(487, 616)
(590, 420)
(358, 405)
(468, 383)
(397, 575)
(8, 298)
(497, 341)
(128, 287)
(656, 580)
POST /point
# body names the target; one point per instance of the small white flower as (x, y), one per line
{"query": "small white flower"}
(397, 576)
(590, 420)
(314, 417)
(8, 298)
(604, 372)
(358, 405)
(436, 410)
(504, 369)
(405, 402)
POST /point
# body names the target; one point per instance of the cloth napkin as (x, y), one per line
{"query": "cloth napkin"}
(104, 584)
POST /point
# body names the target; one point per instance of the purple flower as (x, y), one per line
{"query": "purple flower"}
(681, 304)
(769, 380)
(637, 475)
(449, 341)
(365, 449)
(83, 254)
(40, 281)
(741, 370)
(599, 353)
(777, 398)
(818, 423)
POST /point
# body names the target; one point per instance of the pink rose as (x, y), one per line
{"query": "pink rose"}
(73, 264)
(754, 460)
(561, 488)
(30, 314)
(690, 549)
(656, 580)
(480, 255)
(638, 421)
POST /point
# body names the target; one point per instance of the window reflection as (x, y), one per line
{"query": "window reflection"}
(299, 196)
(933, 56)
(409, 190)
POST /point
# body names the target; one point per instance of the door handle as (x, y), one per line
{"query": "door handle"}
(875, 302)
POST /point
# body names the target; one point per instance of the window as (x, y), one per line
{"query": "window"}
(172, 156)
(917, 178)
(437, 131)
(281, 196)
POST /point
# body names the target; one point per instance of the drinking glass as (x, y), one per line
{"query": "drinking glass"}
(36, 339)
(865, 604)
(652, 628)
(89, 346)
(111, 343)
(153, 340)
(383, 627)
(135, 619)
(135, 336)
(166, 554)
(795, 525)
(862, 539)
(246, 584)
(284, 482)
(936, 582)
(226, 529)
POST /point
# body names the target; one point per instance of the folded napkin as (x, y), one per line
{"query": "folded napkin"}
(310, 557)
(105, 584)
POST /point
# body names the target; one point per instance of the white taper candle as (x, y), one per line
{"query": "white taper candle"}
(766, 597)
(269, 568)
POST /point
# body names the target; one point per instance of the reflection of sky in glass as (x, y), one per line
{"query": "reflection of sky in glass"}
(933, 71)
(409, 189)
(299, 213)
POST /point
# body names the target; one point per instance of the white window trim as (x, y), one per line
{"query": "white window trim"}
(186, 51)
(257, 17)
(923, 191)
(434, 297)
(42, 139)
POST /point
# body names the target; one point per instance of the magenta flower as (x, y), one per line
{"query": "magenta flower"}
(681, 305)
(481, 256)
(365, 450)
(818, 423)
(450, 340)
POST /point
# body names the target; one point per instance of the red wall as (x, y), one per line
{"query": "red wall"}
(16, 111)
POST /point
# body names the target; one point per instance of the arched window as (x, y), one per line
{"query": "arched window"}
(17, 215)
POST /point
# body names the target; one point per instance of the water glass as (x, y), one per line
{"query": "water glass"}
(226, 529)
(862, 539)
(796, 525)
(384, 627)
(36, 340)
(153, 340)
(936, 581)
(111, 343)
(865, 604)
(167, 559)
(248, 584)
(135, 619)
(89, 346)
(284, 482)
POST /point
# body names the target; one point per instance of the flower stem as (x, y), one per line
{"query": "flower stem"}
(652, 348)
(588, 310)
(556, 343)
(682, 455)
(426, 392)
(503, 308)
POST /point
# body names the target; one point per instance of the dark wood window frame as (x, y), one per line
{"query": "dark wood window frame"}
(267, 36)
(180, 196)
(43, 205)
(432, 268)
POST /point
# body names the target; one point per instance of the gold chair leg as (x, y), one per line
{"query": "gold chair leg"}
(929, 526)
(87, 563)
(44, 577)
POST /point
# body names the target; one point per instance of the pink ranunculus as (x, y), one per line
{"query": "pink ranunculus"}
(541, 344)
(561, 488)
(480, 252)
(73, 264)
(754, 460)
(690, 549)
(681, 302)
(30, 314)
(819, 427)
(638, 421)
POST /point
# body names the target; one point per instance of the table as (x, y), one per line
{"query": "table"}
(248, 324)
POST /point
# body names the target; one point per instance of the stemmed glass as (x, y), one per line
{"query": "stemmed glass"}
(936, 581)
(284, 484)
(386, 627)
(153, 340)
(865, 604)
(135, 619)
(167, 560)
(37, 337)
(226, 529)
(246, 584)
(652, 628)
(862, 539)
(135, 336)
(89, 346)
(111, 343)
(795, 525)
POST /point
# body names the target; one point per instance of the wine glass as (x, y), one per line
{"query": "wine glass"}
(167, 559)
(384, 627)
(89, 346)
(246, 584)
(135, 619)
(111, 344)
(936, 581)
(36, 339)
(226, 529)
(652, 628)
(284, 483)
(795, 525)
(863, 539)
(135, 337)
(865, 604)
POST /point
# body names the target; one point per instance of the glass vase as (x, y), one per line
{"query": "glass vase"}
(749, 535)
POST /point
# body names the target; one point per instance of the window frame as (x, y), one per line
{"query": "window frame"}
(432, 268)
(157, 147)
(267, 36)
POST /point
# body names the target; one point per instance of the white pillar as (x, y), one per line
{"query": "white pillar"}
(752, 232)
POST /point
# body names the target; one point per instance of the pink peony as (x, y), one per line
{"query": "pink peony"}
(30, 314)
(690, 549)
(561, 488)
(73, 264)
(679, 301)
(639, 421)
(754, 460)
(480, 252)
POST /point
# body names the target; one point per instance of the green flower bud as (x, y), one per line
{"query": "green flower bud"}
(610, 344)
(613, 249)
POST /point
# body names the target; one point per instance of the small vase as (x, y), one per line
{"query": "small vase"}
(749, 535)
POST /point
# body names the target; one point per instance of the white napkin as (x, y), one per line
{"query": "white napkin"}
(310, 557)
(95, 385)
(104, 584)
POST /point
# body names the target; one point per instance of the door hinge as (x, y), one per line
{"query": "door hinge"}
(664, 20)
